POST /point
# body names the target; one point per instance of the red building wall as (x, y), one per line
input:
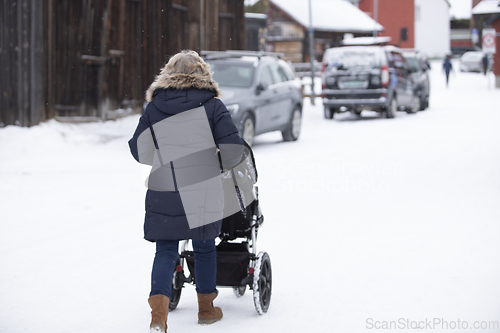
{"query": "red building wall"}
(461, 43)
(475, 2)
(496, 56)
(394, 15)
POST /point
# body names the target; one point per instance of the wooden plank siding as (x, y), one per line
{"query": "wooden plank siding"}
(232, 35)
(81, 58)
(133, 93)
(21, 55)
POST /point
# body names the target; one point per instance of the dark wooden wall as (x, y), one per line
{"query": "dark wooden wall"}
(85, 57)
(21, 62)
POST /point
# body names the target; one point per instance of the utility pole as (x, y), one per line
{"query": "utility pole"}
(311, 52)
(375, 17)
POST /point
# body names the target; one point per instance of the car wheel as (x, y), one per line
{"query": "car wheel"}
(328, 113)
(292, 131)
(424, 103)
(392, 109)
(415, 104)
(247, 130)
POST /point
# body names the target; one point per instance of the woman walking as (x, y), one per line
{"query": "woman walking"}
(447, 67)
(183, 85)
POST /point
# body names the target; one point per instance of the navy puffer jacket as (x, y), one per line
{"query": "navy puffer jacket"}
(165, 216)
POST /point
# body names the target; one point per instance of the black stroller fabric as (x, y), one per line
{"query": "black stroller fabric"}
(232, 263)
(243, 179)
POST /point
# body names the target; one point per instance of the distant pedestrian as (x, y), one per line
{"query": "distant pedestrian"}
(447, 67)
(486, 62)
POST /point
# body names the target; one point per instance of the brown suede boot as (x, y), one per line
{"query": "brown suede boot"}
(159, 312)
(207, 313)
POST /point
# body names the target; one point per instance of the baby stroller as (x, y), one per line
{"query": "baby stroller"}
(238, 263)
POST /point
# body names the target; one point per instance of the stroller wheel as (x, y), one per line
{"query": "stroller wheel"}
(175, 294)
(262, 283)
(239, 291)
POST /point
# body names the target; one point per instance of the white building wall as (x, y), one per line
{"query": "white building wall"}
(432, 27)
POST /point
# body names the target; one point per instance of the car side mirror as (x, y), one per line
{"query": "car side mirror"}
(260, 87)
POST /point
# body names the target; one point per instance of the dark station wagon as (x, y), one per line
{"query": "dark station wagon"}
(357, 78)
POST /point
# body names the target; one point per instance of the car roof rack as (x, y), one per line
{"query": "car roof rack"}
(239, 53)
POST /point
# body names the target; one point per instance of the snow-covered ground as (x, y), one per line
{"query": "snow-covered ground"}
(366, 220)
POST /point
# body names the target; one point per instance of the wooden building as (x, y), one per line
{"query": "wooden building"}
(83, 58)
(255, 25)
(288, 26)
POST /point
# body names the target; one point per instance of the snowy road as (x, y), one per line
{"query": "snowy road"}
(366, 220)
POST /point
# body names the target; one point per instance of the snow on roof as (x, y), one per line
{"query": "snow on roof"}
(366, 40)
(256, 15)
(329, 15)
(487, 7)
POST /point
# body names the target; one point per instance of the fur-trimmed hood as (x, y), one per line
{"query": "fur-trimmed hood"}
(182, 82)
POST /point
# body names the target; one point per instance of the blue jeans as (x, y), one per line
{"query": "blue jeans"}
(205, 261)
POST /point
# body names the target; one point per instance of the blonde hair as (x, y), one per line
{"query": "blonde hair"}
(184, 70)
(187, 62)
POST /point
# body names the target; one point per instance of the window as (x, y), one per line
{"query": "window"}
(404, 34)
(287, 71)
(278, 73)
(355, 57)
(397, 60)
(413, 64)
(266, 76)
(232, 75)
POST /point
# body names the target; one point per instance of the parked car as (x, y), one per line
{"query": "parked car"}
(458, 51)
(357, 78)
(419, 67)
(472, 62)
(260, 92)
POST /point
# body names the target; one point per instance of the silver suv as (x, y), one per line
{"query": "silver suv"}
(259, 90)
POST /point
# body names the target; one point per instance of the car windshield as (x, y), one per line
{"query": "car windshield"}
(343, 58)
(413, 64)
(238, 75)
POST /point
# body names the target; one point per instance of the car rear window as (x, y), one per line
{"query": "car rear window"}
(232, 74)
(347, 58)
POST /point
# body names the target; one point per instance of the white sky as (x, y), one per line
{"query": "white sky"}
(460, 8)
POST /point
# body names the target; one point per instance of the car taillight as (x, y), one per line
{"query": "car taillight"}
(323, 67)
(384, 76)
